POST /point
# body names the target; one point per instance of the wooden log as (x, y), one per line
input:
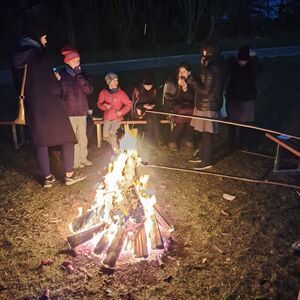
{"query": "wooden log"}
(91, 217)
(155, 235)
(140, 243)
(115, 248)
(101, 245)
(162, 218)
(83, 236)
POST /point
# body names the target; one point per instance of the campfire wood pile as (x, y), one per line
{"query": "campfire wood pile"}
(124, 216)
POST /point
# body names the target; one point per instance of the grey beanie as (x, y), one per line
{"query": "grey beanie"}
(110, 76)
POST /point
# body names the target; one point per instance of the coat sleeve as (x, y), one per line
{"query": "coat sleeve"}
(101, 101)
(84, 83)
(127, 104)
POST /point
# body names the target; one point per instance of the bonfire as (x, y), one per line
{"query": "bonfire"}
(125, 221)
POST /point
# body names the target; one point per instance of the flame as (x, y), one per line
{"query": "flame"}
(110, 207)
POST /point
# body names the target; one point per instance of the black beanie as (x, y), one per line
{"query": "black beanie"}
(148, 78)
(244, 53)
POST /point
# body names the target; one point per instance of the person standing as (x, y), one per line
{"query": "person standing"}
(144, 98)
(179, 97)
(45, 110)
(115, 104)
(240, 95)
(76, 86)
(209, 100)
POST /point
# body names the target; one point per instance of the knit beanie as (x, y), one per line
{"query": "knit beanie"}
(69, 53)
(110, 77)
(244, 53)
(148, 78)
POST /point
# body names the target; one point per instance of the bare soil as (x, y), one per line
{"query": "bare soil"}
(221, 249)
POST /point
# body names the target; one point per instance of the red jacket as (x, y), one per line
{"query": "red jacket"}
(119, 101)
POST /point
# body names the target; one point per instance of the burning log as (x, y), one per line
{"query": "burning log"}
(83, 236)
(115, 248)
(92, 216)
(162, 218)
(155, 235)
(102, 244)
(140, 243)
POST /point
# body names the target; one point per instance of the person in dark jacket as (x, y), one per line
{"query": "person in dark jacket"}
(240, 94)
(178, 97)
(144, 98)
(209, 99)
(76, 86)
(45, 111)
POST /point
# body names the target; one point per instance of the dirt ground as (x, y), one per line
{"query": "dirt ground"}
(221, 249)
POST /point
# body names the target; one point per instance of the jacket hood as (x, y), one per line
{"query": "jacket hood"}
(25, 51)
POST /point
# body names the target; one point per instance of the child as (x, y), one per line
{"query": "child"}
(76, 87)
(115, 103)
(145, 98)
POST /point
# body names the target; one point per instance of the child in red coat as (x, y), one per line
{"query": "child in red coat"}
(115, 104)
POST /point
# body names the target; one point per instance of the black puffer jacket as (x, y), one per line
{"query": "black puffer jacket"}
(209, 89)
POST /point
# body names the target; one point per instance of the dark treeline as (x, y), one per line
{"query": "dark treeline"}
(103, 25)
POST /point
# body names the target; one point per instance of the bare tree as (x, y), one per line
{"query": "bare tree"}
(122, 16)
(69, 21)
(192, 11)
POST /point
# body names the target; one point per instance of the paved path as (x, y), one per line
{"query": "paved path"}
(158, 62)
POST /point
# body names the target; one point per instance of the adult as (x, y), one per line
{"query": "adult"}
(76, 86)
(209, 100)
(240, 95)
(46, 112)
(178, 97)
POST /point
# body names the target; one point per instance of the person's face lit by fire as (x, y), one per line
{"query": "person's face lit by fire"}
(183, 73)
(148, 87)
(43, 40)
(114, 84)
(73, 63)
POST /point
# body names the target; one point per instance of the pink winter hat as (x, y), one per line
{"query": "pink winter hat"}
(69, 53)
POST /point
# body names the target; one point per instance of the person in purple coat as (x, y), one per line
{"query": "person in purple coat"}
(45, 111)
(76, 86)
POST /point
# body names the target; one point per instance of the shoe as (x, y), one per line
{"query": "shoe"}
(76, 177)
(173, 147)
(79, 167)
(87, 163)
(203, 166)
(48, 181)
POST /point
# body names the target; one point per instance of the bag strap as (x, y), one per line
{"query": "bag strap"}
(22, 96)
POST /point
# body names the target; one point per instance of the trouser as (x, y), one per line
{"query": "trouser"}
(110, 129)
(42, 156)
(80, 149)
(238, 137)
(207, 147)
(182, 128)
(152, 127)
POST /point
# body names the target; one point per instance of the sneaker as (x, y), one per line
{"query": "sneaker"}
(48, 181)
(79, 167)
(202, 166)
(173, 147)
(76, 177)
(87, 163)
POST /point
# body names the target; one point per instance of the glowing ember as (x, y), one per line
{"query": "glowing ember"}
(124, 221)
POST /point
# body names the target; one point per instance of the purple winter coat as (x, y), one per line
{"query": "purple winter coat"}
(76, 87)
(45, 111)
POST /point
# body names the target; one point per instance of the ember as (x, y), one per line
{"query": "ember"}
(124, 221)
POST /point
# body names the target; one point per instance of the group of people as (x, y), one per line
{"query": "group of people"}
(56, 102)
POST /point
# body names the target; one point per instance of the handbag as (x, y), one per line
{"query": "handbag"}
(20, 120)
